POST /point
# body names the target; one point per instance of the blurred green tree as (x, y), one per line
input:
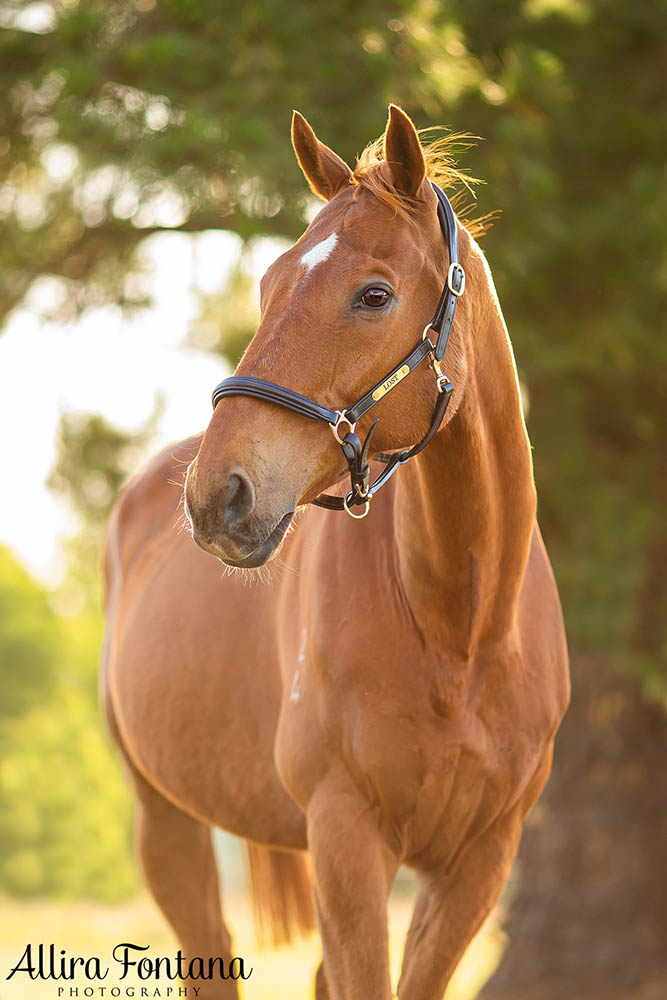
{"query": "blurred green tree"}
(126, 118)
(228, 318)
(574, 117)
(30, 639)
(65, 812)
(59, 783)
(93, 459)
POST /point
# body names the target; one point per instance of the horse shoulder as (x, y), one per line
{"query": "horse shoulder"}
(147, 503)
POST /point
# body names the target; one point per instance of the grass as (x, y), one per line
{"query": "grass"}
(89, 929)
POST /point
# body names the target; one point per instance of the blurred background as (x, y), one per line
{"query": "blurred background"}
(146, 181)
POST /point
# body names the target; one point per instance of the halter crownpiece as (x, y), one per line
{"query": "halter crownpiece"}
(343, 422)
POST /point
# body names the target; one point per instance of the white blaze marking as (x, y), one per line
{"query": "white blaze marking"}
(319, 252)
(295, 694)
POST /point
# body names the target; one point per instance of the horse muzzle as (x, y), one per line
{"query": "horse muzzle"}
(228, 524)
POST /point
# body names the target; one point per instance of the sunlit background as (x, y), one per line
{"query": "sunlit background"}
(111, 364)
(146, 182)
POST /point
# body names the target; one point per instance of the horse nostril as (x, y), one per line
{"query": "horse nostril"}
(239, 499)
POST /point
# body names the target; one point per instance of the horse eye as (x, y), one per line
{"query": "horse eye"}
(375, 297)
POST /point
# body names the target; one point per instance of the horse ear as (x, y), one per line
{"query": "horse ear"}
(403, 152)
(324, 170)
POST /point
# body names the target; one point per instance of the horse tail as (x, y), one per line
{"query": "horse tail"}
(281, 893)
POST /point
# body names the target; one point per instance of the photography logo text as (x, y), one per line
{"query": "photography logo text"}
(140, 974)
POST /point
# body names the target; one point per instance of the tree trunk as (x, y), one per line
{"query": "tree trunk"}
(588, 917)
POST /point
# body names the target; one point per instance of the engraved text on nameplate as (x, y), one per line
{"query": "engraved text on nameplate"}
(389, 383)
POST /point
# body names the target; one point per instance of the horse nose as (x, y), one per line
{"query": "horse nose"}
(238, 500)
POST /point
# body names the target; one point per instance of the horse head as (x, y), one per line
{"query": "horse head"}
(338, 311)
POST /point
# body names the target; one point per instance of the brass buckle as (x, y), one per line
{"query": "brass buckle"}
(362, 494)
(456, 269)
(357, 517)
(341, 419)
(440, 380)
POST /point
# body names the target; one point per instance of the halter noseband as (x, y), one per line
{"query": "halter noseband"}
(356, 453)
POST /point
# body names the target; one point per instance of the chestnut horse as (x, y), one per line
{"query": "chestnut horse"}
(391, 694)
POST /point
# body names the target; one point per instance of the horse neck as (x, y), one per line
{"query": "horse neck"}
(465, 507)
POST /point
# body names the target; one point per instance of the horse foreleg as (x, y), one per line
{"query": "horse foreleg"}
(176, 855)
(179, 865)
(451, 907)
(352, 876)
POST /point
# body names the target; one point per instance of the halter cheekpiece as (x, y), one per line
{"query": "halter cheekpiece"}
(343, 422)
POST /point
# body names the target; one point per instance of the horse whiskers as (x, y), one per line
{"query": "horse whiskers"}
(267, 574)
(181, 461)
(248, 577)
(182, 522)
(284, 568)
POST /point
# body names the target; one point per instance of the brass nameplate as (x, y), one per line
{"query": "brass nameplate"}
(393, 380)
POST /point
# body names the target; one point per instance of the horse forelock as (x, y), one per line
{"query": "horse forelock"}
(440, 156)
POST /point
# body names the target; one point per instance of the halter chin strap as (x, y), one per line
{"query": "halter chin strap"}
(343, 422)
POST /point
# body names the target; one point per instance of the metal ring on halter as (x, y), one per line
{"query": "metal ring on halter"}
(341, 419)
(357, 517)
(456, 269)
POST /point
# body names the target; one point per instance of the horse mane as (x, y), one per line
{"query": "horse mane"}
(439, 153)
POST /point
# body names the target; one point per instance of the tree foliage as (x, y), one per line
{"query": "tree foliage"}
(124, 118)
(228, 318)
(92, 462)
(59, 783)
(129, 117)
(30, 640)
(65, 811)
(575, 117)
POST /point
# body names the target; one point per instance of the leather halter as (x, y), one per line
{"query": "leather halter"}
(356, 453)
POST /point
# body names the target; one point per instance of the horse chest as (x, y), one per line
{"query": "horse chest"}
(400, 735)
(412, 734)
